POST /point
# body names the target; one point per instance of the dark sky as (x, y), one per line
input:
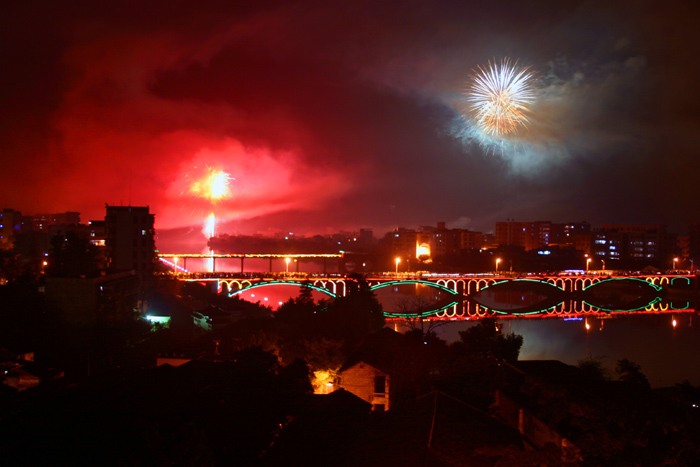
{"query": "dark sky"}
(341, 115)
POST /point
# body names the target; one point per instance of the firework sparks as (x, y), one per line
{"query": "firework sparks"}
(500, 96)
(214, 185)
(210, 226)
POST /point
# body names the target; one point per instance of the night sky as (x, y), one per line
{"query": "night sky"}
(342, 115)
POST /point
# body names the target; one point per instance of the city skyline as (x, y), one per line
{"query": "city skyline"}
(325, 126)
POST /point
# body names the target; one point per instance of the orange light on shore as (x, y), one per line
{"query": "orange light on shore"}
(422, 250)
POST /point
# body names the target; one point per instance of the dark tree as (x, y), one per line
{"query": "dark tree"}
(352, 317)
(631, 372)
(296, 378)
(487, 338)
(298, 311)
(593, 368)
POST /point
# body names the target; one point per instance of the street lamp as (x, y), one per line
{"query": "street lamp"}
(287, 260)
(675, 260)
(397, 261)
(498, 260)
(588, 263)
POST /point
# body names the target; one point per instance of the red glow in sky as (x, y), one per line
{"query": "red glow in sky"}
(326, 126)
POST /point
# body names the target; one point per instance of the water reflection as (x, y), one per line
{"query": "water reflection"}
(528, 298)
(659, 336)
(569, 331)
(668, 354)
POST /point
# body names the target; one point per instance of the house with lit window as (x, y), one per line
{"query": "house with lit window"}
(366, 382)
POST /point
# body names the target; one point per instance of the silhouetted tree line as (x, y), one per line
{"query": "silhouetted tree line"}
(241, 244)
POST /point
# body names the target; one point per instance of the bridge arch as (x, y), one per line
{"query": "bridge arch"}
(241, 284)
(687, 280)
(256, 285)
(337, 287)
(656, 287)
(453, 283)
(411, 282)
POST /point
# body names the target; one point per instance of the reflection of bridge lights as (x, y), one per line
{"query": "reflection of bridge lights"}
(674, 322)
(588, 326)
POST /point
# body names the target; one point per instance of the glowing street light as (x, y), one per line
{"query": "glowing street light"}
(287, 260)
(498, 260)
(588, 263)
(397, 260)
(675, 260)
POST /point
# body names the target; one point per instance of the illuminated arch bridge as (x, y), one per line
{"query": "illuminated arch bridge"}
(332, 288)
(467, 286)
(459, 292)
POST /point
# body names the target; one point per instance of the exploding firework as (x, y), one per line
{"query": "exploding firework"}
(212, 186)
(500, 97)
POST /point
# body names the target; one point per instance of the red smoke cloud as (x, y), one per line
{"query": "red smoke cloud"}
(114, 140)
(335, 115)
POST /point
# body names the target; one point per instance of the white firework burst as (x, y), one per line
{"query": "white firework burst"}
(500, 96)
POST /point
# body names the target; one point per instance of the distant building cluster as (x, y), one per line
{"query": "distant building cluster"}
(125, 239)
(13, 224)
(612, 242)
(103, 265)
